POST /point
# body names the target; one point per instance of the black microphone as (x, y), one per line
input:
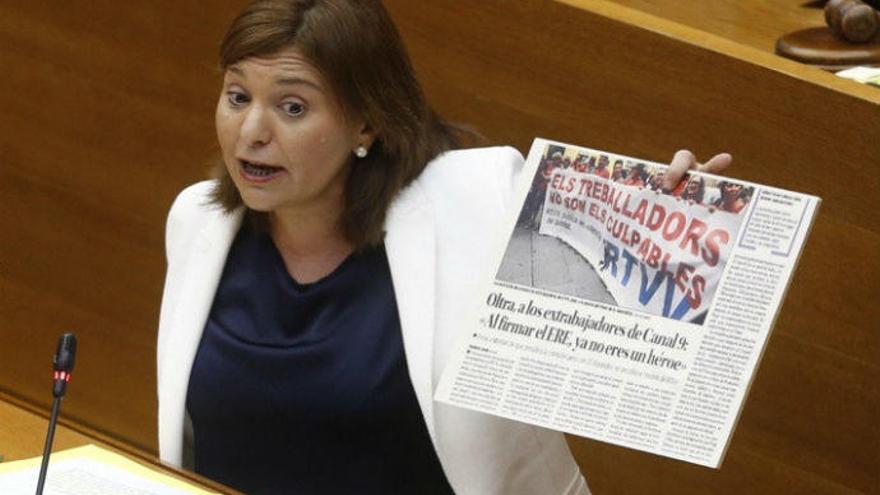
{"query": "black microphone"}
(62, 364)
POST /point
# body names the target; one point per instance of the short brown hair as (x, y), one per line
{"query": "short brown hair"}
(356, 48)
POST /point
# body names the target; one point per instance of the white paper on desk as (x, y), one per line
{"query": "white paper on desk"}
(89, 471)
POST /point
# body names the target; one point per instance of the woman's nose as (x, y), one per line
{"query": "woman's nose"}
(256, 129)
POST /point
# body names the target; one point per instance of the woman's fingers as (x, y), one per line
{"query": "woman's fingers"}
(716, 164)
(684, 160)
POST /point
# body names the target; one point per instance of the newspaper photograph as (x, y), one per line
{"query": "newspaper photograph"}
(626, 313)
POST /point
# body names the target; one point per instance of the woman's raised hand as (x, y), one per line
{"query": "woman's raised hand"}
(684, 160)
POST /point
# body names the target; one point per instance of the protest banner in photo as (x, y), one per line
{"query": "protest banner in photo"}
(655, 252)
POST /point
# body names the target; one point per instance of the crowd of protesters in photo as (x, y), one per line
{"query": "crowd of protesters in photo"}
(715, 194)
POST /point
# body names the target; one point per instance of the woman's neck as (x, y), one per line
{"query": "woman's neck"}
(312, 243)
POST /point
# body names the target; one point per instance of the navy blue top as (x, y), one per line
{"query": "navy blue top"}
(303, 388)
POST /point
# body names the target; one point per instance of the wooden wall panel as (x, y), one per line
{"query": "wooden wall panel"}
(107, 113)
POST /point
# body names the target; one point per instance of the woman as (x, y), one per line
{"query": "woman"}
(312, 289)
(731, 198)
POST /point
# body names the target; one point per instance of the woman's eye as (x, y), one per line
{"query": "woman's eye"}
(293, 108)
(236, 99)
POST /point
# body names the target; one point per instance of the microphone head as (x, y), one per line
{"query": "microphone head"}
(65, 356)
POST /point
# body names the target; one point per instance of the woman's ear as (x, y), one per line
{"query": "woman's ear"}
(363, 140)
(365, 135)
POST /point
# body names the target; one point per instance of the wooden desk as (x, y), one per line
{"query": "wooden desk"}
(757, 25)
(23, 432)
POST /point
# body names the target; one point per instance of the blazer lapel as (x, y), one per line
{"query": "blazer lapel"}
(196, 295)
(202, 278)
(409, 242)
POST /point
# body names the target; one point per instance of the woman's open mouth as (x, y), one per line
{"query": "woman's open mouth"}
(258, 172)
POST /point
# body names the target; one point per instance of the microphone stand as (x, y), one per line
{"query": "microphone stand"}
(47, 448)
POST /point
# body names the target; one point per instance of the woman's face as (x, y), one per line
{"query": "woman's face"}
(284, 139)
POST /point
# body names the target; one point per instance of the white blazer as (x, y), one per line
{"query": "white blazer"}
(437, 238)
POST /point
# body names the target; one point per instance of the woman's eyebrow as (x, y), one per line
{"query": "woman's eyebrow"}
(283, 80)
(293, 81)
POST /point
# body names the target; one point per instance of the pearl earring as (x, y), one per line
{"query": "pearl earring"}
(361, 152)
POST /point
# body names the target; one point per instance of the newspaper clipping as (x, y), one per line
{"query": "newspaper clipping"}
(626, 313)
